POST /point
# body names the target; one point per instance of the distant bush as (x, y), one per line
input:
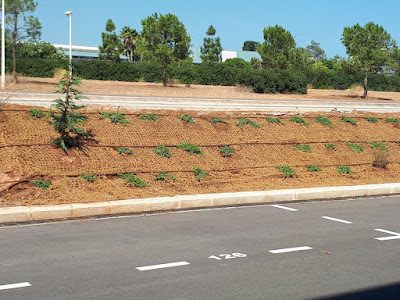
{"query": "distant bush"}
(349, 120)
(124, 150)
(192, 149)
(312, 168)
(226, 151)
(163, 176)
(330, 146)
(372, 119)
(187, 119)
(299, 120)
(36, 113)
(287, 171)
(242, 122)
(39, 183)
(274, 120)
(355, 147)
(150, 117)
(88, 177)
(199, 173)
(133, 180)
(218, 120)
(344, 170)
(162, 151)
(115, 118)
(324, 121)
(377, 146)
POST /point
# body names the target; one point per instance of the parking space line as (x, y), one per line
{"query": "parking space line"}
(284, 207)
(337, 220)
(394, 236)
(162, 266)
(14, 286)
(286, 250)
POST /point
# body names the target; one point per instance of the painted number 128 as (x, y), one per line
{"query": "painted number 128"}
(228, 256)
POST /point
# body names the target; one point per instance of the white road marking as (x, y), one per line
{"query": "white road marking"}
(14, 286)
(284, 207)
(386, 238)
(162, 266)
(337, 220)
(285, 250)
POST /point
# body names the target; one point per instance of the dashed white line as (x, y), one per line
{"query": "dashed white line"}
(162, 266)
(284, 207)
(387, 238)
(337, 220)
(14, 286)
(285, 250)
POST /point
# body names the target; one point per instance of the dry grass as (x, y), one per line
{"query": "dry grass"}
(355, 91)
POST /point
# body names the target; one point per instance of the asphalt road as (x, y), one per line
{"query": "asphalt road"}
(210, 104)
(319, 249)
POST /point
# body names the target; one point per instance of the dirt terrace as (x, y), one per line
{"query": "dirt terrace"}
(26, 154)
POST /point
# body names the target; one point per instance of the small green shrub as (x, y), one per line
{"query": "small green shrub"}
(124, 150)
(303, 147)
(199, 173)
(378, 146)
(36, 113)
(162, 151)
(380, 160)
(392, 120)
(132, 179)
(312, 168)
(115, 118)
(349, 120)
(226, 151)
(372, 119)
(300, 120)
(355, 147)
(192, 149)
(242, 122)
(163, 176)
(330, 146)
(324, 121)
(39, 183)
(218, 120)
(274, 120)
(89, 177)
(287, 171)
(187, 118)
(150, 117)
(344, 170)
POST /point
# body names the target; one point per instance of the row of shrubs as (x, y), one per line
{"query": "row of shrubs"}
(232, 72)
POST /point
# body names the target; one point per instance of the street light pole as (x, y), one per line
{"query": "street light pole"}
(3, 48)
(69, 14)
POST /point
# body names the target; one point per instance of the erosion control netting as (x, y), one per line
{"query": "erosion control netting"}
(25, 152)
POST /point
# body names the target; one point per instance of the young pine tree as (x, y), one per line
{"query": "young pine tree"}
(211, 50)
(65, 121)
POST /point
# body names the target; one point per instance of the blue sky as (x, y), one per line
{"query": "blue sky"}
(236, 21)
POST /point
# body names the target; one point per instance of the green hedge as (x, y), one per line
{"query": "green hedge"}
(229, 73)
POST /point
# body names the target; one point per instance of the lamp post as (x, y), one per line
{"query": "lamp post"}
(3, 48)
(69, 14)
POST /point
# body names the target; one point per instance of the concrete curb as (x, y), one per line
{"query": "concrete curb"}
(64, 211)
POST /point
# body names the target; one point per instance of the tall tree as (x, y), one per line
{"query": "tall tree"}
(250, 46)
(211, 50)
(278, 47)
(21, 25)
(112, 46)
(369, 48)
(129, 35)
(315, 51)
(165, 39)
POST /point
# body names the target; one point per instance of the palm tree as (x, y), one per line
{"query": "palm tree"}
(129, 35)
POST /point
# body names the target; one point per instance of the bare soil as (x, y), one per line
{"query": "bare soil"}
(197, 91)
(26, 154)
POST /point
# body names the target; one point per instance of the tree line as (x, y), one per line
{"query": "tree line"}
(165, 40)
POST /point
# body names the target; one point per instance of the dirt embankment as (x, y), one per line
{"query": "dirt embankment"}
(26, 154)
